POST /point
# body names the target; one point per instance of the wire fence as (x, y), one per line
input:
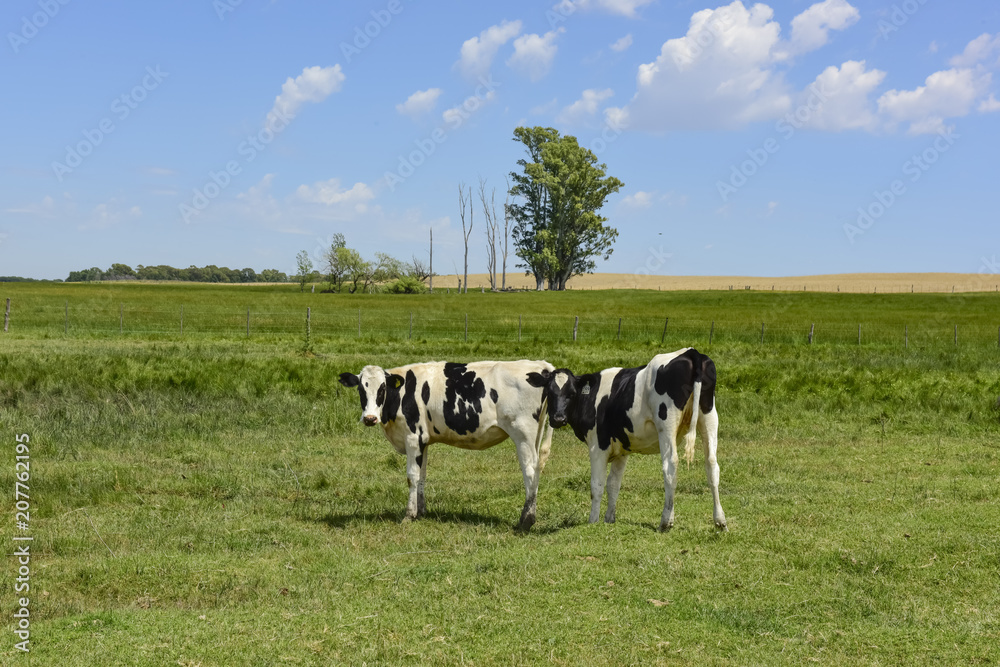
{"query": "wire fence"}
(396, 325)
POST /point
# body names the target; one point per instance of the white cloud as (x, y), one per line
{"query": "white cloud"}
(811, 29)
(839, 99)
(533, 54)
(946, 94)
(477, 53)
(989, 105)
(420, 102)
(315, 84)
(110, 213)
(639, 200)
(719, 75)
(330, 193)
(585, 107)
(458, 114)
(46, 209)
(980, 49)
(625, 8)
(622, 44)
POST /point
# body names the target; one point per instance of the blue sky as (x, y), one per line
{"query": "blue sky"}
(774, 139)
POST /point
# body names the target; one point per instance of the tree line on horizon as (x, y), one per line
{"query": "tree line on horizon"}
(206, 274)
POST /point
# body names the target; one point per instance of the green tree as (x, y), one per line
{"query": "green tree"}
(558, 231)
(335, 266)
(120, 272)
(304, 267)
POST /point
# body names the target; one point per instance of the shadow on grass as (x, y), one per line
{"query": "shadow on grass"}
(462, 517)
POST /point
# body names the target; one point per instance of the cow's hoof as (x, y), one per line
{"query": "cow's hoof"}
(409, 517)
(527, 521)
(664, 526)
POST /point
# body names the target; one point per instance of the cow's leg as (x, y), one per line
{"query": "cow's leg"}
(668, 456)
(546, 446)
(421, 503)
(413, 478)
(614, 485)
(708, 427)
(598, 470)
(524, 435)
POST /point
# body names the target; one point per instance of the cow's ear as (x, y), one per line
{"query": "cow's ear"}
(538, 379)
(349, 380)
(395, 381)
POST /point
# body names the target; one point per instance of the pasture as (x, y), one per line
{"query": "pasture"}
(209, 497)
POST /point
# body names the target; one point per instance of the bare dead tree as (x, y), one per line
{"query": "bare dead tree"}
(490, 212)
(430, 270)
(506, 236)
(417, 269)
(466, 233)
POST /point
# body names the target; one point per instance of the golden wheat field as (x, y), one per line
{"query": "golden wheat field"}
(843, 282)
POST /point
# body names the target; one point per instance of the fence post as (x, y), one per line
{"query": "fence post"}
(466, 327)
(6, 316)
(711, 332)
(308, 328)
(761, 333)
(812, 328)
(956, 335)
(619, 328)
(576, 323)
(664, 336)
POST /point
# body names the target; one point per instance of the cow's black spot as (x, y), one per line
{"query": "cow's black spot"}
(437, 431)
(409, 403)
(613, 422)
(391, 408)
(663, 411)
(425, 393)
(494, 396)
(380, 396)
(463, 395)
(677, 379)
(422, 444)
(364, 397)
(583, 416)
(707, 402)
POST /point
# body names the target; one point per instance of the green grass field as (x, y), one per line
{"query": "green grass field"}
(210, 498)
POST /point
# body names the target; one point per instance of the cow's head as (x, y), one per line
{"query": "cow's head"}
(374, 386)
(560, 389)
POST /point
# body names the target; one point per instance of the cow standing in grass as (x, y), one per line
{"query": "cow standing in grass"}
(471, 406)
(642, 410)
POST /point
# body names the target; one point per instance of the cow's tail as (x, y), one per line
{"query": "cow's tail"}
(689, 437)
(541, 451)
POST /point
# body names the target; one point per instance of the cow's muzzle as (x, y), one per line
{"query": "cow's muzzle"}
(558, 421)
(370, 420)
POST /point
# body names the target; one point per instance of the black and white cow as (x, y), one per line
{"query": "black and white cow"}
(472, 406)
(642, 410)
